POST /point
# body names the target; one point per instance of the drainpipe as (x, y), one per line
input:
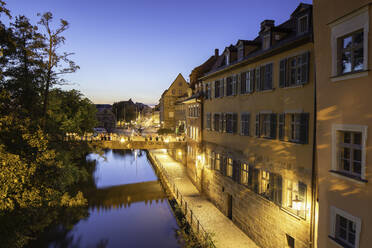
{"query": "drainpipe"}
(314, 178)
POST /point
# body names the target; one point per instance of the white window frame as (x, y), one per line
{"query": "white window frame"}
(264, 45)
(349, 128)
(346, 25)
(299, 24)
(358, 222)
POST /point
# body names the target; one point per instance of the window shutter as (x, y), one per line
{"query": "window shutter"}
(224, 122)
(223, 165)
(236, 85)
(213, 118)
(305, 67)
(262, 77)
(273, 122)
(281, 126)
(258, 79)
(243, 77)
(222, 85)
(250, 176)
(255, 184)
(251, 85)
(257, 125)
(278, 190)
(282, 69)
(235, 123)
(236, 171)
(212, 90)
(304, 129)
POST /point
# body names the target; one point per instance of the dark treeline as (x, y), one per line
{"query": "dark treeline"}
(38, 170)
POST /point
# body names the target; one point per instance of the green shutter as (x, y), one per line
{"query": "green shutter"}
(305, 67)
(304, 133)
(273, 125)
(242, 83)
(282, 76)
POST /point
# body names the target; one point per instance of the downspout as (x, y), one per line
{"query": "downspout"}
(314, 178)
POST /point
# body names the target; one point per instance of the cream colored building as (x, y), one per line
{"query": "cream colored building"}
(258, 138)
(167, 102)
(344, 120)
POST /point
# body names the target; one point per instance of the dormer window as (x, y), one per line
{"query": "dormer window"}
(240, 51)
(227, 57)
(266, 42)
(303, 24)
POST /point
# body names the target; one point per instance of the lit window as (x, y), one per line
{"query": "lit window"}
(229, 168)
(296, 197)
(265, 184)
(244, 174)
(217, 162)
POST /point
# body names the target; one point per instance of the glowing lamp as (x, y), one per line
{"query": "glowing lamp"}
(122, 140)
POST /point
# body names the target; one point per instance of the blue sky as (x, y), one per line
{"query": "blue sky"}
(135, 49)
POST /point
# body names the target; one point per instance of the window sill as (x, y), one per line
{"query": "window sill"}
(350, 75)
(293, 87)
(291, 214)
(265, 91)
(339, 243)
(348, 176)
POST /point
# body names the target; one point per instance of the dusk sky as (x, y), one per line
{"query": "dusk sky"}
(135, 49)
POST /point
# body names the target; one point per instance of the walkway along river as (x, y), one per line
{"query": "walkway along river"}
(127, 207)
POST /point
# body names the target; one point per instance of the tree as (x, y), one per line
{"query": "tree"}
(55, 63)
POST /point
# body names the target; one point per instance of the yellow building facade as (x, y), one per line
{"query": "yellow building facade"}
(258, 133)
(344, 119)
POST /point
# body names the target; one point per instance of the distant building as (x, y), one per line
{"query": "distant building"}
(156, 115)
(168, 101)
(343, 46)
(105, 116)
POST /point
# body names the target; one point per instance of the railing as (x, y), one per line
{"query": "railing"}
(123, 138)
(190, 217)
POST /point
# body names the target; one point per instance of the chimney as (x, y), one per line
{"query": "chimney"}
(266, 24)
(216, 52)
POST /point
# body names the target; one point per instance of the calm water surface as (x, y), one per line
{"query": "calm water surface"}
(127, 207)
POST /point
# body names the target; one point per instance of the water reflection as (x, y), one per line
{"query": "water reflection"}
(127, 208)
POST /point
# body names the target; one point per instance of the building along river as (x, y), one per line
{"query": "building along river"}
(127, 207)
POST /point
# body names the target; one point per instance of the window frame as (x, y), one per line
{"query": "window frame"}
(347, 25)
(229, 167)
(351, 50)
(245, 123)
(299, 31)
(336, 128)
(333, 228)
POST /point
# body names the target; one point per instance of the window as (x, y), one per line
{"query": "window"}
(247, 82)
(257, 125)
(216, 122)
(350, 53)
(231, 122)
(208, 121)
(212, 160)
(294, 70)
(217, 89)
(218, 162)
(296, 197)
(345, 228)
(229, 167)
(179, 83)
(349, 43)
(266, 42)
(209, 95)
(303, 24)
(231, 85)
(264, 77)
(173, 92)
(295, 127)
(240, 51)
(281, 126)
(227, 57)
(267, 124)
(265, 184)
(245, 122)
(350, 152)
(244, 172)
(180, 92)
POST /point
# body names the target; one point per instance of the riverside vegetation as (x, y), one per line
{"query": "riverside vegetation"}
(38, 169)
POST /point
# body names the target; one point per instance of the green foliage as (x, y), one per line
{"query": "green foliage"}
(125, 110)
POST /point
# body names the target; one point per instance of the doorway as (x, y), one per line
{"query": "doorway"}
(229, 206)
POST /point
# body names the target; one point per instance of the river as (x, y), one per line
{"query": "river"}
(127, 207)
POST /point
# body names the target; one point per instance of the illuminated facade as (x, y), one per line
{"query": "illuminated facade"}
(344, 119)
(258, 133)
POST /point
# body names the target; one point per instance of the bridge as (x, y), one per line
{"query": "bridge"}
(124, 195)
(140, 144)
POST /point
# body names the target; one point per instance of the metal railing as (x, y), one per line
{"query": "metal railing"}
(199, 230)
